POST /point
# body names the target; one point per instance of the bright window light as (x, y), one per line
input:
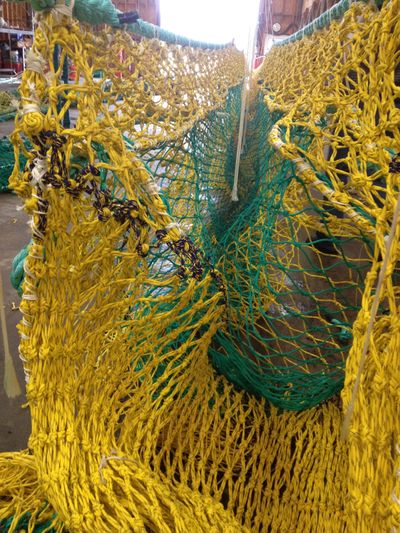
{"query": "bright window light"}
(213, 21)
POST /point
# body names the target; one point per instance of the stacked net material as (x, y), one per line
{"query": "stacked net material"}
(162, 321)
(296, 256)
(7, 161)
(8, 105)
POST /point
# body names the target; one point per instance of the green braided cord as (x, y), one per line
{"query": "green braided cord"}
(17, 269)
(150, 31)
(334, 13)
(97, 12)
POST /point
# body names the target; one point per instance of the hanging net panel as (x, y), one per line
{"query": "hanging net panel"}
(184, 353)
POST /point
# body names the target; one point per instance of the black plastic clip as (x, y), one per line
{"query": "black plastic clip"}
(128, 18)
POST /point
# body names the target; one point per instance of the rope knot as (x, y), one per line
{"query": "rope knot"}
(104, 461)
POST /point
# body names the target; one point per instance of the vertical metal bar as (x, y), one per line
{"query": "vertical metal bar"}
(66, 120)
(56, 63)
(55, 57)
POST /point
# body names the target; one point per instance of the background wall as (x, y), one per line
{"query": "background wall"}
(280, 18)
(16, 15)
(148, 10)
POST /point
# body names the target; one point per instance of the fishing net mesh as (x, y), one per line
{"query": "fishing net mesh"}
(183, 352)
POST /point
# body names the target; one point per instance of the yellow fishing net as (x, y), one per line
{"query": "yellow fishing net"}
(161, 319)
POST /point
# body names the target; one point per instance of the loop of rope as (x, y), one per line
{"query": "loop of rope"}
(374, 309)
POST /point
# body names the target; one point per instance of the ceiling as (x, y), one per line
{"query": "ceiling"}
(284, 17)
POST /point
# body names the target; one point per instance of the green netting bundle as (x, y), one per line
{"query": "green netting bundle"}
(17, 269)
(8, 105)
(294, 282)
(7, 162)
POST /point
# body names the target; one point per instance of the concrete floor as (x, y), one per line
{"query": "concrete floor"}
(6, 128)
(14, 234)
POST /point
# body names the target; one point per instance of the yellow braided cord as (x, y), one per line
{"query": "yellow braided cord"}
(131, 301)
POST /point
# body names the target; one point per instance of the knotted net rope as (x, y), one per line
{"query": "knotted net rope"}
(146, 287)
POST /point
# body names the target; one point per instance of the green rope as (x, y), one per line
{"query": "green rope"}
(150, 31)
(17, 269)
(334, 13)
